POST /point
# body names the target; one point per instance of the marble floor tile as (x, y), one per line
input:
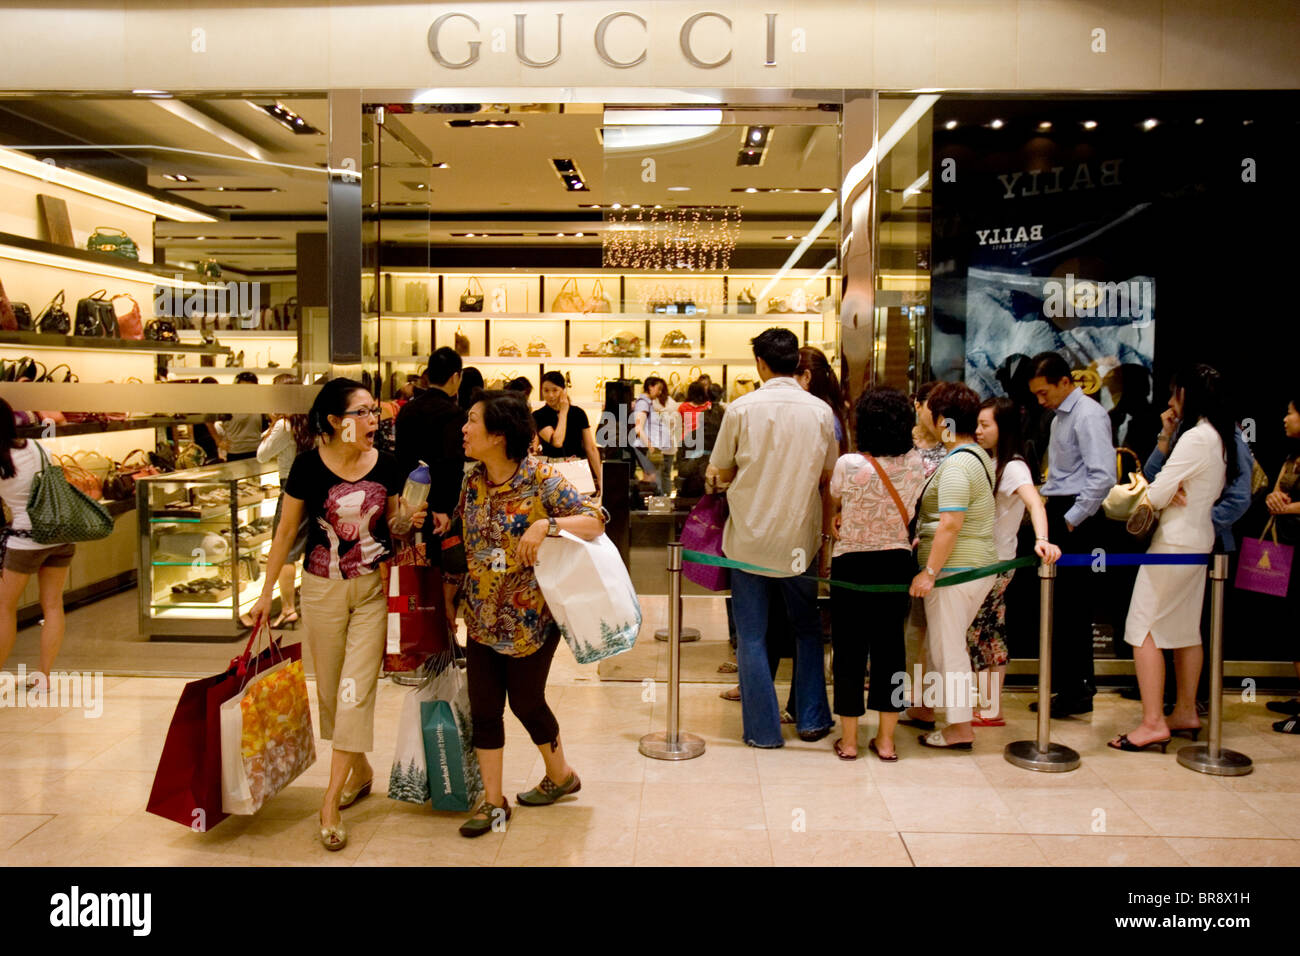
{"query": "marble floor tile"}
(839, 848)
(969, 810)
(568, 846)
(683, 847)
(112, 792)
(1280, 809)
(726, 806)
(15, 826)
(1103, 850)
(793, 808)
(1237, 852)
(973, 849)
(1208, 814)
(1097, 810)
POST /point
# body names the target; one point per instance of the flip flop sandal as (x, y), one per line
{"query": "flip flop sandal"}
(871, 745)
(726, 695)
(936, 741)
(728, 667)
(979, 721)
(839, 752)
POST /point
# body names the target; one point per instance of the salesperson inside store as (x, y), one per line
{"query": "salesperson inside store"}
(563, 428)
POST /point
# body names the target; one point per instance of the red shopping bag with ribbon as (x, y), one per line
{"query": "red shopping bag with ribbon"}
(417, 616)
(187, 783)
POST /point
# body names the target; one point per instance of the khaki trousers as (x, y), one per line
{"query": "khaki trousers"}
(948, 613)
(347, 624)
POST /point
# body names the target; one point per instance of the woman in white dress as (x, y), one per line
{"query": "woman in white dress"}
(1166, 608)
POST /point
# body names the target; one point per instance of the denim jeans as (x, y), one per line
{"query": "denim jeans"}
(660, 474)
(752, 597)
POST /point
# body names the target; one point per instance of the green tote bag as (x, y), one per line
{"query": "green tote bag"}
(61, 513)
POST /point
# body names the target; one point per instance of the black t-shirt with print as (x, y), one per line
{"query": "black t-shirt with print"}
(347, 530)
(547, 417)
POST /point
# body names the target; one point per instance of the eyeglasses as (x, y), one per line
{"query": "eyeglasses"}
(371, 411)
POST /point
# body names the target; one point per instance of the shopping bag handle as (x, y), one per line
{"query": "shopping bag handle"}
(240, 663)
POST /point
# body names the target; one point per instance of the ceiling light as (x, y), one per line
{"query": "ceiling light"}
(469, 235)
(646, 129)
(102, 188)
(756, 137)
(996, 124)
(1247, 122)
(577, 235)
(151, 93)
(287, 118)
(750, 189)
(677, 189)
(826, 189)
(1089, 124)
(791, 238)
(569, 174)
(1150, 124)
(951, 124)
(482, 124)
(1199, 120)
(1044, 126)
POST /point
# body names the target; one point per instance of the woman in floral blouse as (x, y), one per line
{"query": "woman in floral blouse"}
(510, 502)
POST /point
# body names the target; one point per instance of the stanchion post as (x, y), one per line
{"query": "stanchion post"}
(1210, 757)
(673, 745)
(1042, 754)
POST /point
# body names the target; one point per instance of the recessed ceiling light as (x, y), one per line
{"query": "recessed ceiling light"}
(617, 205)
(996, 124)
(1089, 124)
(750, 189)
(791, 238)
(469, 235)
(578, 235)
(1150, 124)
(679, 189)
(951, 124)
(1044, 126)
(1199, 120)
(1247, 122)
(151, 93)
(178, 177)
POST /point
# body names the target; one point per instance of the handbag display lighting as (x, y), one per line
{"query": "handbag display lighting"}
(538, 348)
(471, 301)
(63, 514)
(676, 345)
(54, 319)
(96, 316)
(115, 242)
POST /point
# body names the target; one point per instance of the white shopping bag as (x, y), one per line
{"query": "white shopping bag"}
(408, 781)
(590, 594)
(578, 474)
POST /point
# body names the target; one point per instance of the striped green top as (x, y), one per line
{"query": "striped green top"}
(963, 482)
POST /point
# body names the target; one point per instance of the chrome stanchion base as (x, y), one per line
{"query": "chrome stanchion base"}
(656, 745)
(1229, 763)
(1025, 754)
(688, 634)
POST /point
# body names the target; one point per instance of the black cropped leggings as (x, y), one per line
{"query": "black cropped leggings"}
(494, 677)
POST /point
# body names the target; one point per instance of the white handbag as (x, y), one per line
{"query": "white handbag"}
(590, 594)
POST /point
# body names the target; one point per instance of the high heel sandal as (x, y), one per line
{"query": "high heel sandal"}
(1128, 746)
(333, 838)
(289, 619)
(349, 797)
(1191, 733)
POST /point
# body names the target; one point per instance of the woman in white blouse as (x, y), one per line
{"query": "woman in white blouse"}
(1166, 607)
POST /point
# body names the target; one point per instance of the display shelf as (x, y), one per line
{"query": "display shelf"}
(185, 370)
(126, 425)
(78, 260)
(40, 340)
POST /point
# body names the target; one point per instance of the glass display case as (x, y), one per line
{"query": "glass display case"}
(204, 537)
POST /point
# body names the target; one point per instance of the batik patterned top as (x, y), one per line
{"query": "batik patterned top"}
(504, 606)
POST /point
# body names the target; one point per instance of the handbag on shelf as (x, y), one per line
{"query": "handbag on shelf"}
(94, 461)
(742, 386)
(120, 483)
(676, 345)
(417, 297)
(746, 303)
(598, 303)
(1265, 566)
(22, 315)
(62, 513)
(778, 304)
(621, 344)
(684, 303)
(95, 316)
(54, 319)
(130, 325)
(500, 299)
(461, 342)
(161, 330)
(114, 242)
(569, 299)
(469, 300)
(52, 375)
(87, 481)
(508, 349)
(798, 300)
(8, 320)
(538, 348)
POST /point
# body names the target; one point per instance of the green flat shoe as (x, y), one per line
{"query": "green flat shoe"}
(474, 827)
(548, 791)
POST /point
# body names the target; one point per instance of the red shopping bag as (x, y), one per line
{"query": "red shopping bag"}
(417, 619)
(187, 784)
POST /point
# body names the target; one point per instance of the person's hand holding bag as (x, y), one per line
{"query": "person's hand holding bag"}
(531, 541)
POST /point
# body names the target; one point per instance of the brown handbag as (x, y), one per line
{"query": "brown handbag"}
(120, 483)
(83, 479)
(569, 300)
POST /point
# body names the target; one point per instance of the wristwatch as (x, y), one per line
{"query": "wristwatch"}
(553, 529)
(931, 571)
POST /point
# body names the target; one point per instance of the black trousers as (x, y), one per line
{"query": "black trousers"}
(869, 624)
(1075, 596)
(494, 677)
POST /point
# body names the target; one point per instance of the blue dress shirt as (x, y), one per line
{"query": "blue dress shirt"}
(1081, 456)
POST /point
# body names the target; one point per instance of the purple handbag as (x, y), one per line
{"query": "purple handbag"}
(703, 532)
(1265, 566)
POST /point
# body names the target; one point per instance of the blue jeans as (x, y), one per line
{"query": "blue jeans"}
(660, 474)
(752, 596)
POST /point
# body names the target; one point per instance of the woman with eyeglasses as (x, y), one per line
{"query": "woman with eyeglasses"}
(350, 494)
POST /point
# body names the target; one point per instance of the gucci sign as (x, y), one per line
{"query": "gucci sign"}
(599, 35)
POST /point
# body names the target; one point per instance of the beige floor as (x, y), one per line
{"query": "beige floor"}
(72, 791)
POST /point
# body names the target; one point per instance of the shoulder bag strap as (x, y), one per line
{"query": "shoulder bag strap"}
(893, 492)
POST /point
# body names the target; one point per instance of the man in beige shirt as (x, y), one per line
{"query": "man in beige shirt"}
(776, 448)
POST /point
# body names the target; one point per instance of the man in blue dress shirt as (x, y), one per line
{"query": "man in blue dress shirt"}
(1081, 471)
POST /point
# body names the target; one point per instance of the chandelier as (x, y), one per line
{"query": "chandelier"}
(681, 238)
